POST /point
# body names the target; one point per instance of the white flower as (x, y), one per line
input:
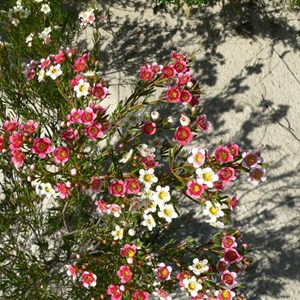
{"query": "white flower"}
(162, 195)
(192, 286)
(167, 212)
(206, 176)
(217, 224)
(54, 71)
(131, 119)
(41, 75)
(117, 233)
(126, 156)
(131, 232)
(148, 221)
(45, 35)
(184, 120)
(29, 39)
(214, 211)
(197, 158)
(146, 151)
(199, 266)
(150, 206)
(82, 88)
(147, 177)
(24, 13)
(87, 17)
(38, 1)
(46, 190)
(45, 8)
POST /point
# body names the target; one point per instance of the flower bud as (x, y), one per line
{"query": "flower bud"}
(184, 120)
(73, 172)
(155, 115)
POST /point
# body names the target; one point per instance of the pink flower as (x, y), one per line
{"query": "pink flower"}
(197, 158)
(226, 174)
(69, 135)
(183, 135)
(257, 175)
(177, 55)
(180, 66)
(128, 251)
(228, 242)
(75, 81)
(146, 72)
(29, 128)
(139, 295)
(99, 91)
(125, 274)
(181, 276)
(222, 265)
(63, 190)
(149, 162)
(185, 97)
(59, 58)
(183, 78)
(42, 147)
(17, 157)
(202, 123)
(88, 279)
(115, 292)
(117, 188)
(61, 154)
(10, 125)
(95, 185)
(173, 95)
(234, 149)
(79, 65)
(132, 186)
(233, 202)
(74, 116)
(87, 116)
(115, 209)
(156, 68)
(223, 155)
(224, 295)
(162, 294)
(16, 140)
(101, 206)
(94, 131)
(163, 272)
(45, 63)
(149, 128)
(1, 142)
(72, 271)
(251, 159)
(228, 278)
(169, 71)
(30, 74)
(231, 255)
(194, 189)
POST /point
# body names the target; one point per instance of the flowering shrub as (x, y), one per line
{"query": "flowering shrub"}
(93, 199)
(36, 28)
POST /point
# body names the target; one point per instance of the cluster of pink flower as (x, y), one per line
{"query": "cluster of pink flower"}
(137, 190)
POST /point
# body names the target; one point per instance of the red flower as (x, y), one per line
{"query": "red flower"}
(183, 135)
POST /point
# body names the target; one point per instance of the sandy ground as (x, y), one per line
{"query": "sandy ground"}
(250, 69)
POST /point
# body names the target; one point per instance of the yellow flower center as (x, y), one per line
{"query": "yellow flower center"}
(207, 176)
(213, 210)
(148, 177)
